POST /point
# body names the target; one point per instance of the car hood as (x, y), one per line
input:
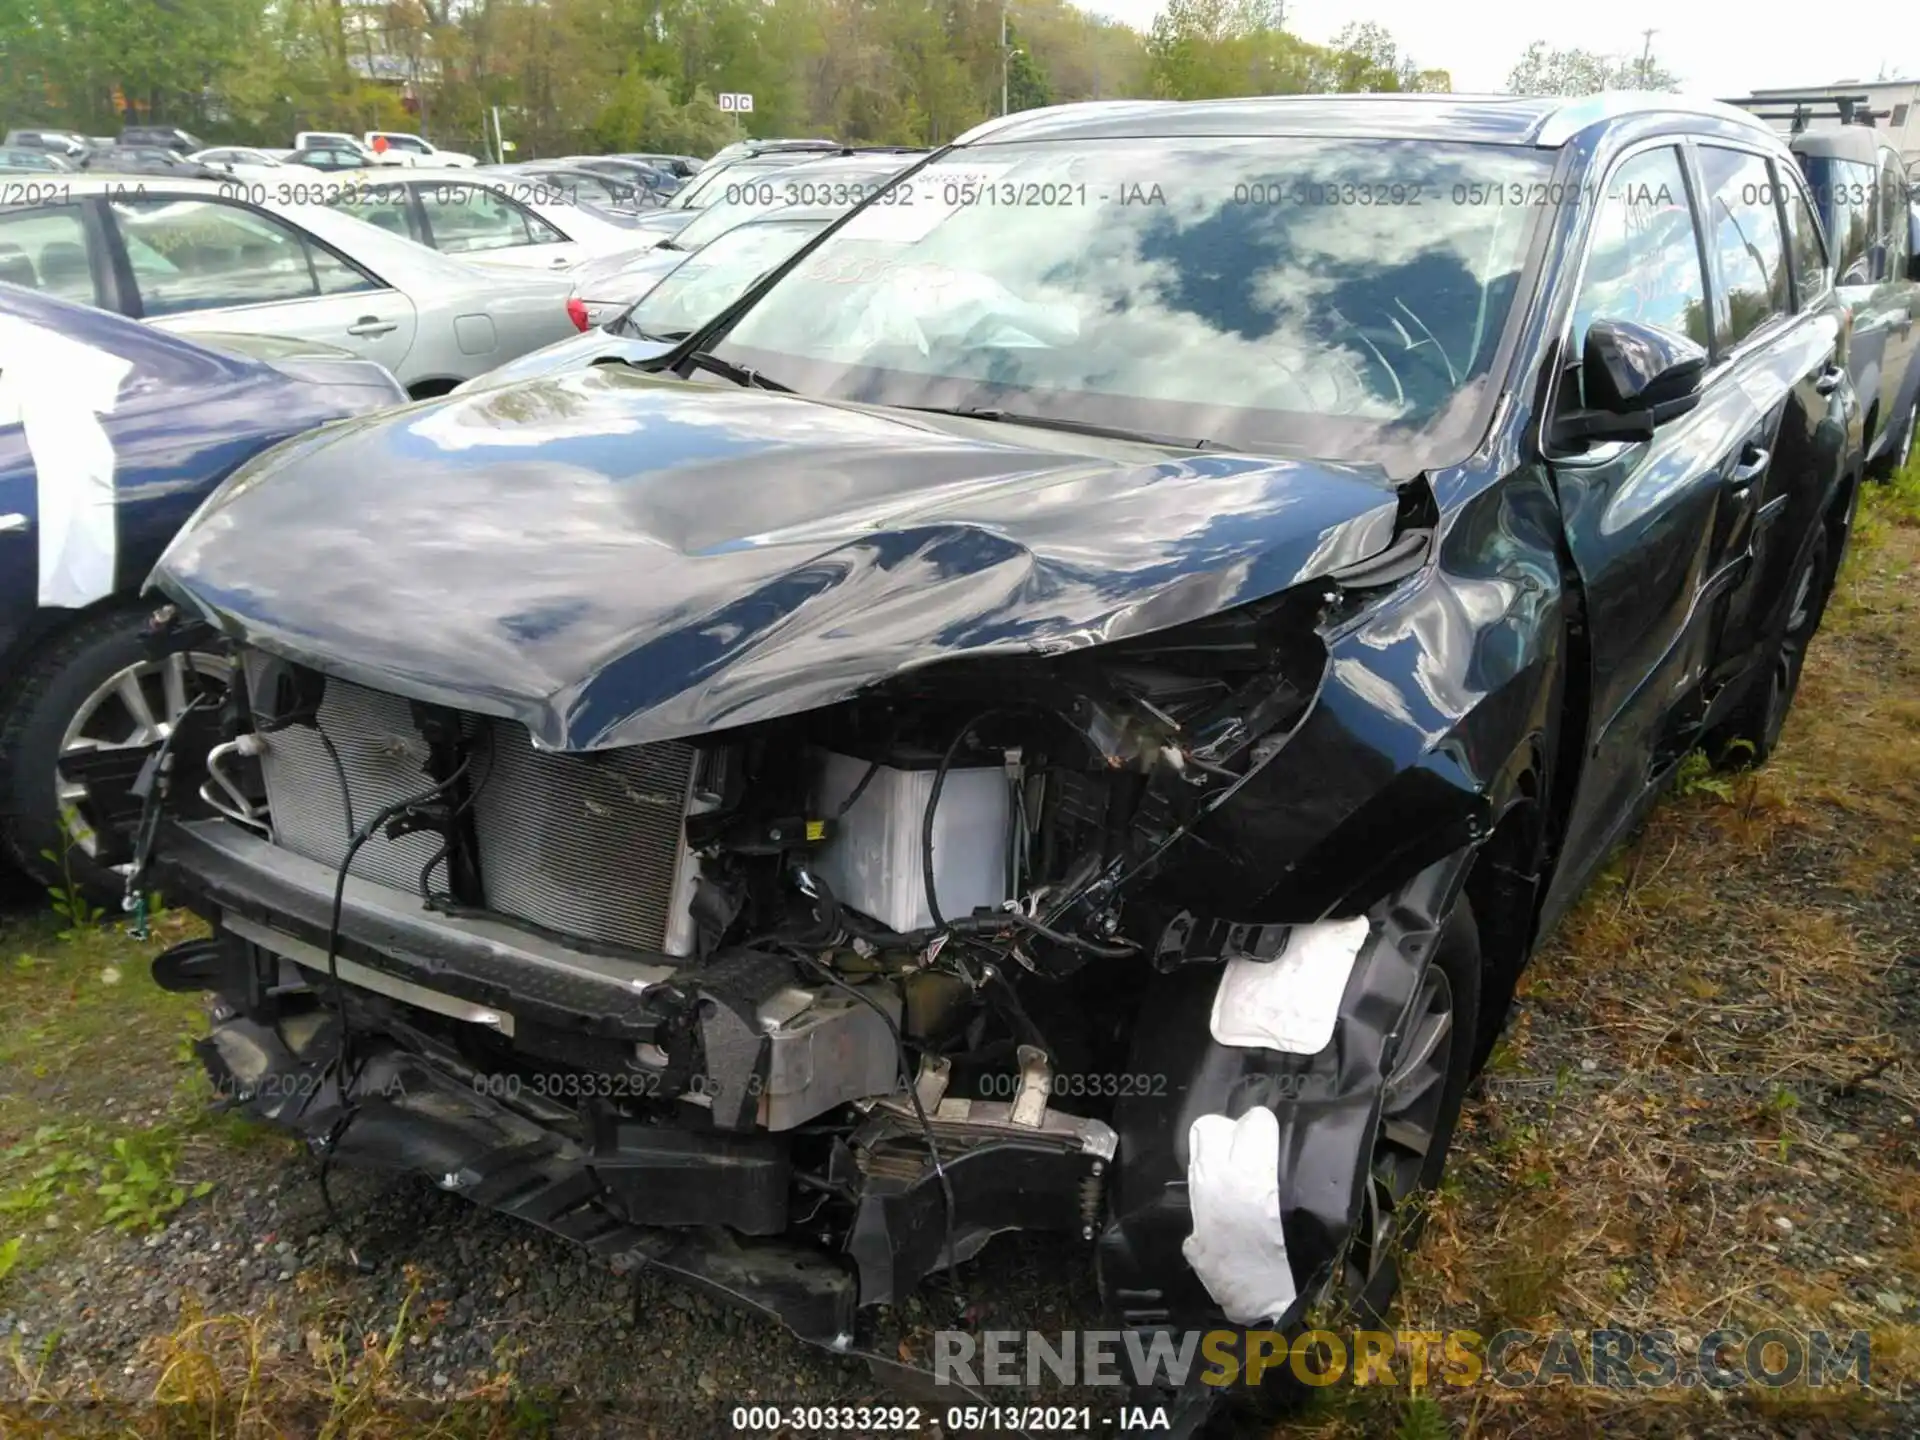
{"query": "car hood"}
(613, 558)
(664, 222)
(628, 274)
(570, 354)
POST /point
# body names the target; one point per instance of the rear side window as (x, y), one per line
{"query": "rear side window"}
(1845, 192)
(45, 249)
(387, 206)
(466, 218)
(1893, 217)
(1643, 259)
(1809, 255)
(1744, 239)
(190, 254)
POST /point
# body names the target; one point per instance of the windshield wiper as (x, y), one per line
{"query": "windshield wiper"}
(727, 370)
(622, 325)
(1073, 427)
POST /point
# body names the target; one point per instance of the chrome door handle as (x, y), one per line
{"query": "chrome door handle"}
(15, 524)
(372, 325)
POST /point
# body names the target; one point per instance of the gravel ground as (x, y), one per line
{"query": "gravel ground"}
(484, 1294)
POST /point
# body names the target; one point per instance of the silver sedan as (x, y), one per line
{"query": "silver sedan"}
(245, 255)
(514, 222)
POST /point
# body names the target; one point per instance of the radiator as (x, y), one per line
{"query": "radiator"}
(586, 845)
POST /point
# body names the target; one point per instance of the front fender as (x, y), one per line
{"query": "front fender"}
(1434, 699)
(1327, 1106)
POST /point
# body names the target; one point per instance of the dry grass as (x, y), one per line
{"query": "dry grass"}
(1703, 1112)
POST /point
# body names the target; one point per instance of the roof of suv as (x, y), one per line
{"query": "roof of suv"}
(1546, 121)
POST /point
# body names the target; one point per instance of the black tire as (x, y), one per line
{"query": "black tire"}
(1748, 737)
(1372, 1278)
(53, 686)
(1373, 1265)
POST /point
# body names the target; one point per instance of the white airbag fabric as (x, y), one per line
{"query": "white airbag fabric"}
(57, 389)
(1237, 1247)
(1290, 1002)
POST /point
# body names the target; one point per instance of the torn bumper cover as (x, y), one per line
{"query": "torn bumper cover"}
(412, 1116)
(709, 1202)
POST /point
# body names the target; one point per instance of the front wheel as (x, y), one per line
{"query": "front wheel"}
(1750, 735)
(95, 687)
(1432, 1062)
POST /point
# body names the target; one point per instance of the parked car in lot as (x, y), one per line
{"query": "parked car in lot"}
(240, 159)
(659, 183)
(145, 160)
(603, 288)
(719, 180)
(197, 256)
(1865, 201)
(68, 144)
(617, 201)
(682, 167)
(111, 433)
(21, 161)
(677, 294)
(742, 149)
(161, 137)
(518, 223)
(1127, 613)
(839, 184)
(416, 149)
(331, 159)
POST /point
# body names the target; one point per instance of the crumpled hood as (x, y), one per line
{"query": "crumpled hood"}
(614, 558)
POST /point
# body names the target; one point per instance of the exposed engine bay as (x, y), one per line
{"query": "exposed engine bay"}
(789, 888)
(869, 974)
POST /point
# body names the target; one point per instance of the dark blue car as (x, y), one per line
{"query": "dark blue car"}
(111, 434)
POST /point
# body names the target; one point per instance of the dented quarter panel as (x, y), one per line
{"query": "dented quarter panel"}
(613, 558)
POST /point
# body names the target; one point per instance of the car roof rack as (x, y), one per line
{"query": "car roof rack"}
(1803, 110)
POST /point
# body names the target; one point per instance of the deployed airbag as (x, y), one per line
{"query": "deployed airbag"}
(1237, 1247)
(1290, 1002)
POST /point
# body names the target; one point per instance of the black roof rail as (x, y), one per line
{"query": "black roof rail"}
(1801, 110)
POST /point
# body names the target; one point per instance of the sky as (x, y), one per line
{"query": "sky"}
(1718, 48)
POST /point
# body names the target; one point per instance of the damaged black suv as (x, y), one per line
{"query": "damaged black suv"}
(1066, 708)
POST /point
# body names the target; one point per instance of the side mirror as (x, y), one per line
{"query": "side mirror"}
(1634, 378)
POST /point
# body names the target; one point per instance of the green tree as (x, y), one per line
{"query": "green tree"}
(568, 75)
(1546, 71)
(1027, 87)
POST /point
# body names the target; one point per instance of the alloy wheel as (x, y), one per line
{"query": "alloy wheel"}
(1411, 1108)
(1802, 619)
(137, 706)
